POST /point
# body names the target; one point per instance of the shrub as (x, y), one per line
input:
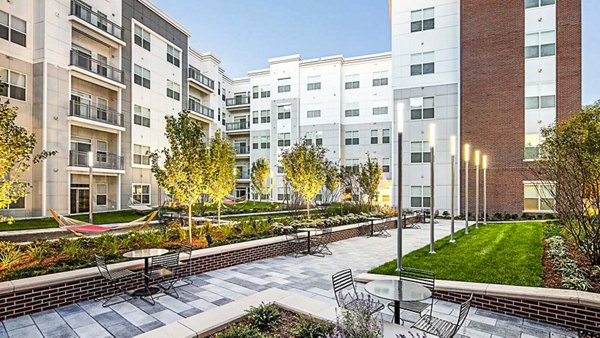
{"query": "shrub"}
(10, 254)
(308, 327)
(573, 276)
(551, 230)
(240, 331)
(265, 317)
(38, 250)
(71, 249)
(358, 321)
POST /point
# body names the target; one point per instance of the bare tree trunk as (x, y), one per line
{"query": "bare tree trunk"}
(308, 209)
(219, 213)
(190, 223)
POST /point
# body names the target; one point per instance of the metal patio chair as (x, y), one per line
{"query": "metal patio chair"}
(185, 260)
(441, 327)
(343, 282)
(114, 277)
(321, 241)
(163, 273)
(295, 243)
(422, 277)
(379, 229)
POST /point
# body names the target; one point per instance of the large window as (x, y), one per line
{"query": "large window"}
(313, 113)
(420, 152)
(380, 78)
(532, 142)
(141, 116)
(422, 19)
(173, 55)
(283, 140)
(265, 116)
(538, 3)
(13, 29)
(141, 37)
(14, 84)
(352, 81)
(385, 136)
(141, 193)
(313, 83)
(540, 96)
(351, 137)
(141, 76)
(284, 112)
(420, 196)
(537, 196)
(173, 90)
(422, 63)
(422, 108)
(380, 110)
(141, 154)
(540, 44)
(101, 194)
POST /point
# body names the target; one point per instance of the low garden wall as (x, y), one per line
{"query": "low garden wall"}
(35, 294)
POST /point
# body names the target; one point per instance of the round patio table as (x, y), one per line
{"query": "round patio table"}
(308, 231)
(146, 254)
(398, 291)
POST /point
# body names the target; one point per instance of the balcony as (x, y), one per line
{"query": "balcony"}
(95, 113)
(101, 160)
(238, 101)
(98, 20)
(196, 107)
(237, 126)
(242, 150)
(202, 80)
(86, 62)
(243, 174)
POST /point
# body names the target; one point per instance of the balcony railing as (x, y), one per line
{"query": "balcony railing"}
(195, 74)
(101, 160)
(201, 109)
(95, 113)
(243, 174)
(242, 150)
(238, 100)
(237, 125)
(88, 63)
(84, 11)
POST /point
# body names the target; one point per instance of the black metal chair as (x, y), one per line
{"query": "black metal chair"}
(321, 241)
(114, 277)
(380, 229)
(185, 260)
(295, 243)
(441, 327)
(343, 282)
(163, 273)
(422, 277)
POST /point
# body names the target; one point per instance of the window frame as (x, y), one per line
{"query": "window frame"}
(9, 86)
(424, 154)
(141, 193)
(143, 118)
(143, 157)
(354, 138)
(422, 196)
(143, 81)
(422, 24)
(143, 40)
(285, 114)
(171, 91)
(175, 55)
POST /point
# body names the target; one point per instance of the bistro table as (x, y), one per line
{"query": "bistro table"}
(398, 291)
(146, 254)
(308, 231)
(372, 220)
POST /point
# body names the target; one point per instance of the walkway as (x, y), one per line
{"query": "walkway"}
(309, 275)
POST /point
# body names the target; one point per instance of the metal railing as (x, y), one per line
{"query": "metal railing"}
(242, 150)
(238, 100)
(195, 74)
(88, 63)
(84, 11)
(101, 160)
(95, 113)
(243, 174)
(201, 109)
(237, 125)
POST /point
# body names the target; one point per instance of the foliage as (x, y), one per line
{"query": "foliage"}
(596, 271)
(16, 156)
(71, 248)
(349, 182)
(551, 229)
(38, 250)
(309, 327)
(573, 276)
(359, 321)
(570, 169)
(260, 177)
(10, 253)
(332, 181)
(265, 317)
(369, 178)
(221, 173)
(240, 331)
(182, 172)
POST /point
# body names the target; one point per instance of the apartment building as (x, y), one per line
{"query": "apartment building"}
(493, 74)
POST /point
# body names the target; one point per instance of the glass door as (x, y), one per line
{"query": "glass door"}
(81, 103)
(80, 198)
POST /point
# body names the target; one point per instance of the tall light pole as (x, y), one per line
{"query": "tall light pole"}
(432, 188)
(452, 174)
(477, 163)
(91, 197)
(399, 224)
(484, 161)
(467, 156)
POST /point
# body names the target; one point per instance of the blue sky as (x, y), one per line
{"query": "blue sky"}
(244, 34)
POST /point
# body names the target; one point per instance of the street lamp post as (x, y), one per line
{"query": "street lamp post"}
(399, 222)
(452, 174)
(477, 163)
(467, 154)
(485, 165)
(91, 197)
(432, 188)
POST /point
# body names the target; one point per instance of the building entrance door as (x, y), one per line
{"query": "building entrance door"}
(80, 198)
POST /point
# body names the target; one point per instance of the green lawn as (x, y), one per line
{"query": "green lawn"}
(44, 223)
(495, 253)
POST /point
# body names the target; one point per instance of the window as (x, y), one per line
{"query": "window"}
(265, 142)
(314, 83)
(173, 90)
(380, 110)
(420, 152)
(538, 3)
(141, 154)
(284, 85)
(319, 138)
(540, 96)
(280, 170)
(283, 112)
(308, 138)
(422, 63)
(18, 204)
(422, 108)
(101, 194)
(265, 91)
(352, 81)
(352, 164)
(142, 37)
(255, 117)
(282, 194)
(385, 136)
(173, 55)
(14, 84)
(4, 25)
(538, 196)
(141, 76)
(385, 165)
(141, 193)
(255, 92)
(351, 110)
(374, 136)
(283, 139)
(255, 142)
(351, 137)
(101, 151)
(13, 26)
(420, 197)
(141, 116)
(313, 113)
(422, 20)
(380, 78)
(540, 44)
(265, 116)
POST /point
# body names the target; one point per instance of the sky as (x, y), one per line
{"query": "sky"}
(244, 34)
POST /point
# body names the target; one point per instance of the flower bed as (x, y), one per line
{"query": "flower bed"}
(565, 268)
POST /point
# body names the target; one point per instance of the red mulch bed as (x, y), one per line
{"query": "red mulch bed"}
(552, 278)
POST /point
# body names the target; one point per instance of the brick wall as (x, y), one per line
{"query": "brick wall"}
(568, 58)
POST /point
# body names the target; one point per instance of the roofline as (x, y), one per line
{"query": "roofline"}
(204, 56)
(165, 16)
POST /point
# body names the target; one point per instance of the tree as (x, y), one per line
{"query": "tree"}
(368, 179)
(569, 174)
(183, 173)
(349, 181)
(304, 169)
(16, 156)
(260, 177)
(222, 170)
(332, 180)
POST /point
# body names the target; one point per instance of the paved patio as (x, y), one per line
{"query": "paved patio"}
(306, 275)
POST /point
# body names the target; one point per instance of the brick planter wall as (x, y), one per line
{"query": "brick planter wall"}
(50, 295)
